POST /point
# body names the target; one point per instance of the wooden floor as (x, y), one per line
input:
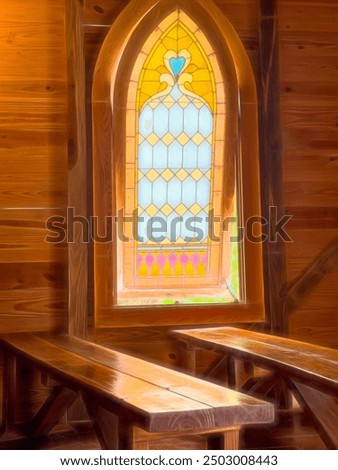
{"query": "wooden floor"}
(293, 432)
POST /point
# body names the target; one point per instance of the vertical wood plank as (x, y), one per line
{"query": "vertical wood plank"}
(9, 394)
(271, 159)
(227, 440)
(105, 424)
(189, 358)
(77, 174)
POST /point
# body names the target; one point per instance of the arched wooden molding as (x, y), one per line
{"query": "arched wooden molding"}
(114, 64)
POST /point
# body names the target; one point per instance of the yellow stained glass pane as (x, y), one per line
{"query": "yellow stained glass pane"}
(166, 269)
(151, 76)
(178, 271)
(170, 43)
(190, 271)
(155, 270)
(177, 38)
(201, 271)
(185, 43)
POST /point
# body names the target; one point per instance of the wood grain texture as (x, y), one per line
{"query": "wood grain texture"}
(33, 309)
(102, 12)
(309, 104)
(51, 412)
(310, 364)
(77, 170)
(134, 389)
(33, 165)
(314, 324)
(22, 276)
(298, 289)
(306, 245)
(23, 233)
(41, 11)
(105, 425)
(271, 158)
(323, 408)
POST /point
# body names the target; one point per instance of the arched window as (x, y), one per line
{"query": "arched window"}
(175, 173)
(169, 146)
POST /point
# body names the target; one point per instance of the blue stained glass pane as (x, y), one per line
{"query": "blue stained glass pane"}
(146, 121)
(176, 93)
(145, 155)
(177, 64)
(205, 121)
(174, 227)
(204, 155)
(191, 120)
(157, 228)
(175, 120)
(203, 191)
(144, 193)
(175, 156)
(190, 156)
(159, 192)
(161, 118)
(189, 192)
(142, 228)
(174, 192)
(160, 161)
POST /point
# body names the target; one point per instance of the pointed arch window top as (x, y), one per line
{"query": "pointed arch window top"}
(178, 56)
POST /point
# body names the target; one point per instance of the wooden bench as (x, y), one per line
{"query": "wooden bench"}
(308, 370)
(123, 394)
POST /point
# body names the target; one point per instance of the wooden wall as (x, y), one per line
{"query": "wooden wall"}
(33, 164)
(33, 159)
(309, 112)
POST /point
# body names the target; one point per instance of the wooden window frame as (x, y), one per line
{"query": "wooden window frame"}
(114, 65)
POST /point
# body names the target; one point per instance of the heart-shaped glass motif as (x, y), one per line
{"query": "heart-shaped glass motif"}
(177, 64)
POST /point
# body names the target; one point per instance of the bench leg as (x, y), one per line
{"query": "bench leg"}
(114, 433)
(226, 440)
(188, 358)
(129, 438)
(9, 394)
(105, 424)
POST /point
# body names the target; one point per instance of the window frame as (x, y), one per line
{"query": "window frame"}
(115, 62)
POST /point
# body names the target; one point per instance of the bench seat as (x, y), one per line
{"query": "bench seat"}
(123, 393)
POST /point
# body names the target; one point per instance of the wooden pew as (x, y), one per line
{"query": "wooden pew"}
(310, 371)
(123, 393)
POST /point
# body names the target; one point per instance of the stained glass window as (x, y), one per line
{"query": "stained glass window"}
(175, 164)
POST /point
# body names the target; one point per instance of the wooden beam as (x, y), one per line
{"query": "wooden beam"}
(295, 292)
(77, 174)
(271, 159)
(51, 412)
(323, 409)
